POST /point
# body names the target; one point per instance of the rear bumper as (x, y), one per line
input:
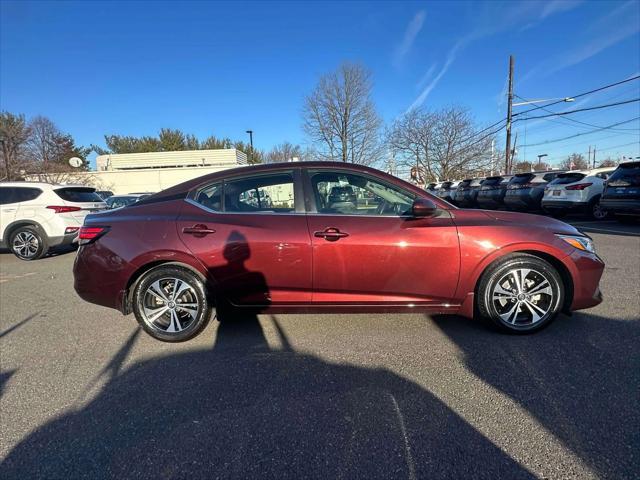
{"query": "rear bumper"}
(490, 201)
(523, 199)
(626, 206)
(564, 205)
(63, 241)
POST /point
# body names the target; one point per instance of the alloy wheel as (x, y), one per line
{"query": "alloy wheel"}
(523, 297)
(170, 305)
(26, 244)
(598, 212)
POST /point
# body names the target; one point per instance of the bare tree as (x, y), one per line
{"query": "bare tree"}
(340, 118)
(50, 149)
(608, 162)
(14, 133)
(285, 152)
(575, 161)
(443, 145)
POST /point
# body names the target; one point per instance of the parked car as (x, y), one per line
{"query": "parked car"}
(447, 191)
(433, 187)
(621, 194)
(118, 201)
(493, 191)
(37, 217)
(104, 194)
(525, 190)
(467, 192)
(175, 257)
(342, 198)
(577, 191)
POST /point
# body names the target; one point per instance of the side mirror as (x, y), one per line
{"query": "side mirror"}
(423, 207)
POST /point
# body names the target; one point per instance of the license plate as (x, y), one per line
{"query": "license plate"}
(556, 193)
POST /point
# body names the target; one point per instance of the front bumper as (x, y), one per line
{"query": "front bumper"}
(586, 270)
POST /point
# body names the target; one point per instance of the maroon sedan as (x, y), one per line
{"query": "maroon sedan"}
(278, 238)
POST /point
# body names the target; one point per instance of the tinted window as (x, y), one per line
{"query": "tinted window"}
(549, 176)
(78, 194)
(210, 197)
(265, 193)
(522, 178)
(117, 202)
(565, 178)
(491, 181)
(18, 194)
(368, 197)
(625, 176)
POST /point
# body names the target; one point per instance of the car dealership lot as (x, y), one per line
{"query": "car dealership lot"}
(84, 392)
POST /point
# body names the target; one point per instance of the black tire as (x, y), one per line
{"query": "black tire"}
(595, 211)
(494, 277)
(28, 243)
(177, 324)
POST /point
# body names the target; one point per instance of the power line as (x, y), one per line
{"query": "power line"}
(580, 95)
(571, 119)
(582, 133)
(569, 112)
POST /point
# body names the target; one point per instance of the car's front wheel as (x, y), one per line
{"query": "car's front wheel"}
(170, 303)
(28, 243)
(520, 293)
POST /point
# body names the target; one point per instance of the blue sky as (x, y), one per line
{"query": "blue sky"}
(130, 68)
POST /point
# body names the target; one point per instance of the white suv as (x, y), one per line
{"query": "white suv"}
(35, 217)
(577, 190)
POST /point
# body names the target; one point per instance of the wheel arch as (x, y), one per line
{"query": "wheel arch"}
(469, 303)
(144, 268)
(9, 229)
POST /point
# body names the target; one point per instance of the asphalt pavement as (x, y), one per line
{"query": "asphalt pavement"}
(86, 394)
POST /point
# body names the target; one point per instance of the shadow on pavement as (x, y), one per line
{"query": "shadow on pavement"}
(19, 324)
(245, 410)
(580, 378)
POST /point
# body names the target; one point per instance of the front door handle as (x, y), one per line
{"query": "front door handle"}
(198, 230)
(331, 234)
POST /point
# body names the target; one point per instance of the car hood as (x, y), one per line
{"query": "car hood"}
(530, 220)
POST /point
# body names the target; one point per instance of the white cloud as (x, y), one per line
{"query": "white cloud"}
(427, 76)
(410, 34)
(620, 24)
(557, 6)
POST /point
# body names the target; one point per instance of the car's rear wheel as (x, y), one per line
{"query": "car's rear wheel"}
(596, 211)
(28, 243)
(520, 293)
(170, 303)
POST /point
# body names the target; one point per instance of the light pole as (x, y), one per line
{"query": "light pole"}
(540, 157)
(250, 132)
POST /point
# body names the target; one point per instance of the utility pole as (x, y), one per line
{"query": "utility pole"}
(594, 156)
(589, 157)
(509, 107)
(250, 132)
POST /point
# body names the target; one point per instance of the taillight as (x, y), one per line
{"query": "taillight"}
(580, 186)
(63, 208)
(91, 234)
(69, 230)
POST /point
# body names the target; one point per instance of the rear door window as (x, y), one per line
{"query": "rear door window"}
(625, 176)
(78, 194)
(263, 193)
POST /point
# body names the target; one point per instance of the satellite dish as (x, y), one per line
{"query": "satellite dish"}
(75, 162)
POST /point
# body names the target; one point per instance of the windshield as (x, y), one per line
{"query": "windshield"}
(78, 194)
(625, 176)
(565, 178)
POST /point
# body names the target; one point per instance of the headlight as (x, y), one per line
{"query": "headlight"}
(579, 242)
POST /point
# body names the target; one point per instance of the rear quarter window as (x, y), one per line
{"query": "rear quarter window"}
(78, 194)
(18, 194)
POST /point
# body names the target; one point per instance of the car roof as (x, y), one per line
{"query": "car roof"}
(273, 167)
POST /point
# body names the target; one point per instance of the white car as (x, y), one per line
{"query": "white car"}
(577, 190)
(35, 217)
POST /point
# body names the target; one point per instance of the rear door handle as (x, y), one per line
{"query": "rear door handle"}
(198, 230)
(331, 234)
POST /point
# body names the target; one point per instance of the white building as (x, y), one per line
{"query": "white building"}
(155, 171)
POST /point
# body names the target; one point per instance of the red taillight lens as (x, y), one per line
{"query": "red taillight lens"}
(91, 234)
(63, 209)
(580, 186)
